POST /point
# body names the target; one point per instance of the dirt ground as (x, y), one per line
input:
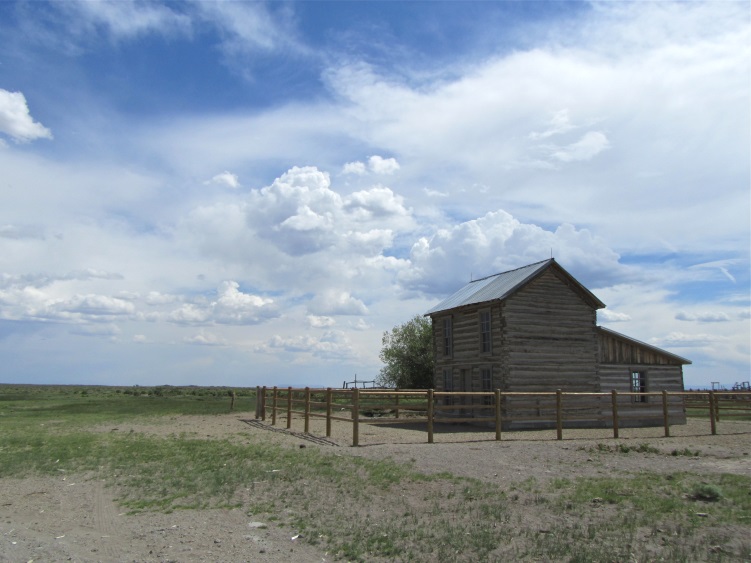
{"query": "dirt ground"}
(74, 518)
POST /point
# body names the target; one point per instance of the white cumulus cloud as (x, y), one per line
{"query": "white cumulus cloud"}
(226, 179)
(232, 307)
(378, 201)
(376, 164)
(300, 213)
(236, 307)
(316, 321)
(384, 166)
(358, 168)
(498, 242)
(337, 303)
(16, 121)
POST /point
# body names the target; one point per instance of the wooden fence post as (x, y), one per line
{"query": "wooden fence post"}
(356, 417)
(263, 403)
(328, 412)
(497, 414)
(712, 414)
(274, 395)
(614, 400)
(289, 407)
(307, 410)
(717, 407)
(559, 414)
(258, 402)
(430, 416)
(665, 414)
(396, 402)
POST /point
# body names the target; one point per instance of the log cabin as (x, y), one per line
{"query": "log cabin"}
(534, 329)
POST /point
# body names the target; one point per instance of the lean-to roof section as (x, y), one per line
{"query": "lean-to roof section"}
(634, 342)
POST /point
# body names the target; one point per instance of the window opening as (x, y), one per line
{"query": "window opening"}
(639, 385)
(485, 341)
(448, 337)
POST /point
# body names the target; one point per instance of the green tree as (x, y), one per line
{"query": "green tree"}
(407, 353)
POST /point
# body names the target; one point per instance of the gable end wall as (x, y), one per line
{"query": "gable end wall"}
(550, 338)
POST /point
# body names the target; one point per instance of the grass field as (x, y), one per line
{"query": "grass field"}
(364, 509)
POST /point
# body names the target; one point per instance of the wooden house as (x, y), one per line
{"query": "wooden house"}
(535, 329)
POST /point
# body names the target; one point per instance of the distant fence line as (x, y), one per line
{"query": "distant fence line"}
(430, 406)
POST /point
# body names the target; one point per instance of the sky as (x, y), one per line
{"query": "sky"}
(242, 194)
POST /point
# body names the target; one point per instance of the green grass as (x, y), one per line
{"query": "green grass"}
(739, 409)
(86, 406)
(611, 519)
(687, 452)
(364, 510)
(622, 448)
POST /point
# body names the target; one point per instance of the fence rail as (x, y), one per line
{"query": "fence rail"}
(494, 408)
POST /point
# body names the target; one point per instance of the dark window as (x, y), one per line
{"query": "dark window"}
(485, 340)
(448, 385)
(639, 385)
(486, 375)
(448, 337)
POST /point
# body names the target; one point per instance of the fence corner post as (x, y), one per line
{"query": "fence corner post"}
(614, 400)
(559, 414)
(430, 416)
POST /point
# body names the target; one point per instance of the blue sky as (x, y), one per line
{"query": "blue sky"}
(252, 193)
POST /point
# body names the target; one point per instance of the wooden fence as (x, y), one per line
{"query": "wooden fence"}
(552, 409)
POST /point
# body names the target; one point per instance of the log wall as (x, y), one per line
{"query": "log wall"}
(617, 377)
(466, 359)
(550, 337)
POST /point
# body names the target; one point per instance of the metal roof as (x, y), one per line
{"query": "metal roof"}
(491, 288)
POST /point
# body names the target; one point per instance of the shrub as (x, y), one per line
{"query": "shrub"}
(706, 492)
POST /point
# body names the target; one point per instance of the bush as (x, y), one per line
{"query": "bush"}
(706, 492)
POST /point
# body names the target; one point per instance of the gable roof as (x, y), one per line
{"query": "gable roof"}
(501, 286)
